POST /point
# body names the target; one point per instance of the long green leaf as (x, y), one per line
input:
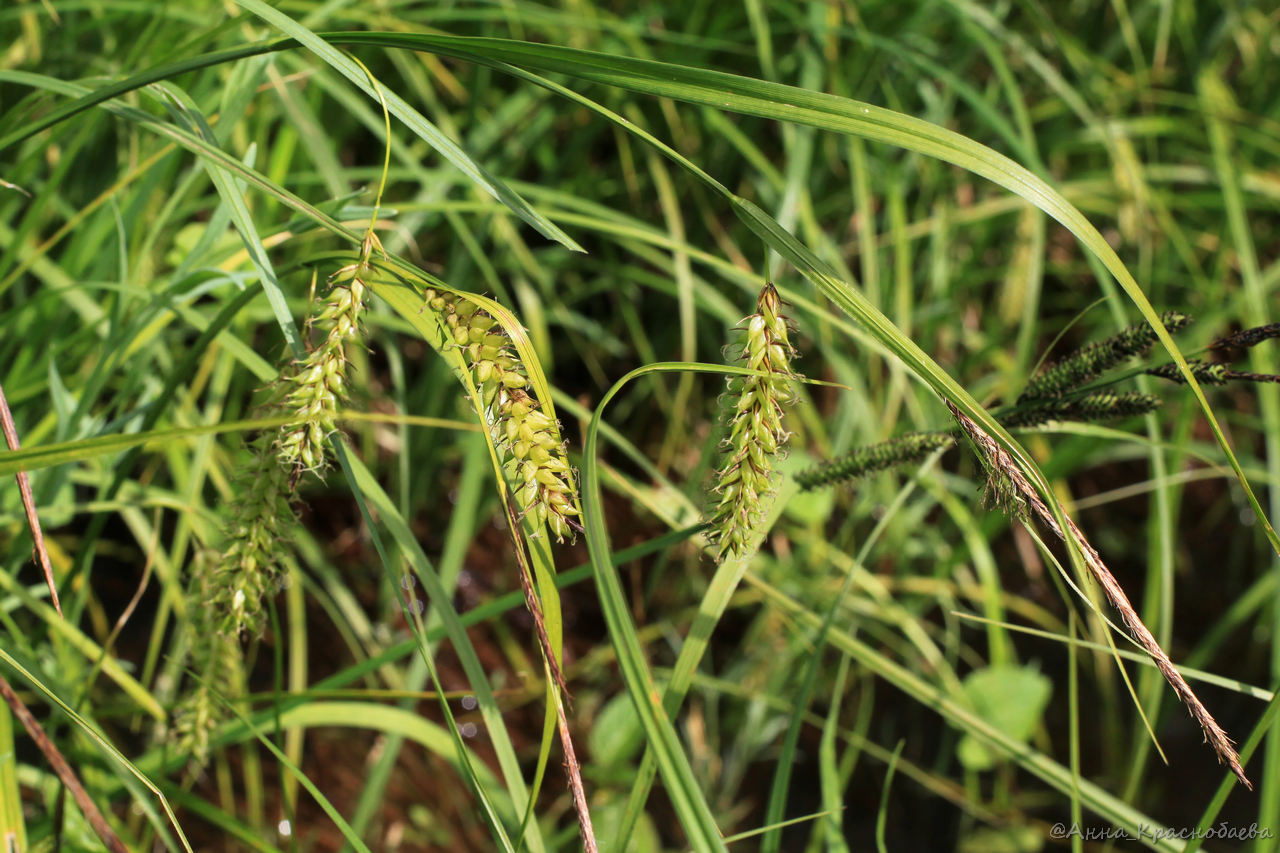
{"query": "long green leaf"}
(681, 785)
(841, 115)
(105, 745)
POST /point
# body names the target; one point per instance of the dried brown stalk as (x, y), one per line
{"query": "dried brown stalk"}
(574, 772)
(59, 764)
(998, 459)
(28, 502)
(572, 768)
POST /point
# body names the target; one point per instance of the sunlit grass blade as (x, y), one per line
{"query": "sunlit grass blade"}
(833, 113)
(695, 814)
(91, 733)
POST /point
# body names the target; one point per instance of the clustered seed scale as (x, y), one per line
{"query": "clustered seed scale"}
(756, 435)
(529, 439)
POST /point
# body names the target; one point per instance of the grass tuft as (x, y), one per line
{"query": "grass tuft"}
(567, 200)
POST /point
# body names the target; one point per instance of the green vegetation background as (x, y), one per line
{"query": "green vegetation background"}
(896, 666)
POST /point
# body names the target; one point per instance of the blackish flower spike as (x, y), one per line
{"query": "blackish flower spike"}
(1097, 358)
(1246, 338)
(912, 447)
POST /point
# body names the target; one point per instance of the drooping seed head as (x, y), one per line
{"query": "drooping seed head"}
(528, 440)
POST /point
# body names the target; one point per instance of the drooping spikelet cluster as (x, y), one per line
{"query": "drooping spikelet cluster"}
(756, 435)
(1097, 358)
(317, 386)
(226, 591)
(1017, 495)
(527, 437)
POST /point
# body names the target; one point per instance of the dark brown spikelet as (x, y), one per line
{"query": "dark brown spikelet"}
(528, 440)
(1246, 338)
(1208, 373)
(754, 412)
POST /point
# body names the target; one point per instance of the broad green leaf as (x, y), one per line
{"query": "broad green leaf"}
(1011, 698)
(616, 734)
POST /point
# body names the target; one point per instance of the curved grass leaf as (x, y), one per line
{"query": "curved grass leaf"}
(841, 115)
(412, 119)
(653, 709)
(296, 772)
(364, 486)
(108, 749)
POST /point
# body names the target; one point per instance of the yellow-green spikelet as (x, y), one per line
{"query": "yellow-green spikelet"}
(316, 387)
(756, 435)
(226, 592)
(528, 439)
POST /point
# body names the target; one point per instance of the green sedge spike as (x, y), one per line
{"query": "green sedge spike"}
(529, 441)
(1095, 359)
(875, 457)
(1103, 405)
(753, 408)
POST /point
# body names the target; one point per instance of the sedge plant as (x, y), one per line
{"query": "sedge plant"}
(323, 556)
